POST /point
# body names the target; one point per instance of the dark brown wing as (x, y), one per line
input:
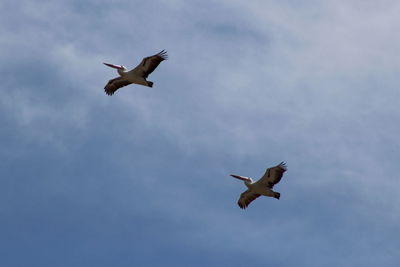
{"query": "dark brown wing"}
(114, 84)
(149, 64)
(246, 198)
(273, 175)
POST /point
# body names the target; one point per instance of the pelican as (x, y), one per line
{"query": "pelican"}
(138, 75)
(263, 186)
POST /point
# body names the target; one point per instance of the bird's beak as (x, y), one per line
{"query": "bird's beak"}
(241, 177)
(114, 66)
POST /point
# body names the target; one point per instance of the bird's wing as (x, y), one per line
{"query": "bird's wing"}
(273, 175)
(149, 64)
(114, 84)
(246, 198)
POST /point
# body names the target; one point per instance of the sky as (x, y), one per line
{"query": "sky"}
(141, 178)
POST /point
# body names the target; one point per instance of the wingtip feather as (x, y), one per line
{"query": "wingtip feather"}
(108, 92)
(283, 165)
(163, 54)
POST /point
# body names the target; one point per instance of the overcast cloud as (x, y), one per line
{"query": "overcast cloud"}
(141, 178)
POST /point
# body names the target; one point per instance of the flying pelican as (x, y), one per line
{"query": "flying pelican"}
(138, 75)
(263, 186)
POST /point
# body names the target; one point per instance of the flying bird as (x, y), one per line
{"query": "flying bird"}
(138, 75)
(263, 186)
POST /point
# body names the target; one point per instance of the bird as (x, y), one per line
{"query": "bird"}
(263, 186)
(137, 75)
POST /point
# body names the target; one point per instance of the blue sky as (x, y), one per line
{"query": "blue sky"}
(141, 178)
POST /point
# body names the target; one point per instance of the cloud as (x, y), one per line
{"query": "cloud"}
(247, 85)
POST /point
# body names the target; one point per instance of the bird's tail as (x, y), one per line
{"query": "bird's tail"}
(150, 84)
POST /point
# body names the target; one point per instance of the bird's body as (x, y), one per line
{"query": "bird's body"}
(137, 75)
(262, 187)
(261, 190)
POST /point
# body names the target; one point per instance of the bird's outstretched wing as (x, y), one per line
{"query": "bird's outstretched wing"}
(149, 64)
(273, 175)
(114, 84)
(246, 198)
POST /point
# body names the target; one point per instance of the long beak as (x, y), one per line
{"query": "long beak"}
(114, 66)
(243, 178)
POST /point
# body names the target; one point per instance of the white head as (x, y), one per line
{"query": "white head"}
(247, 180)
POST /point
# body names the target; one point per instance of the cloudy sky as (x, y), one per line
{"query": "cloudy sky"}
(142, 178)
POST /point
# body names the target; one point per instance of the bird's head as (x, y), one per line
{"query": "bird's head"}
(243, 178)
(118, 67)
